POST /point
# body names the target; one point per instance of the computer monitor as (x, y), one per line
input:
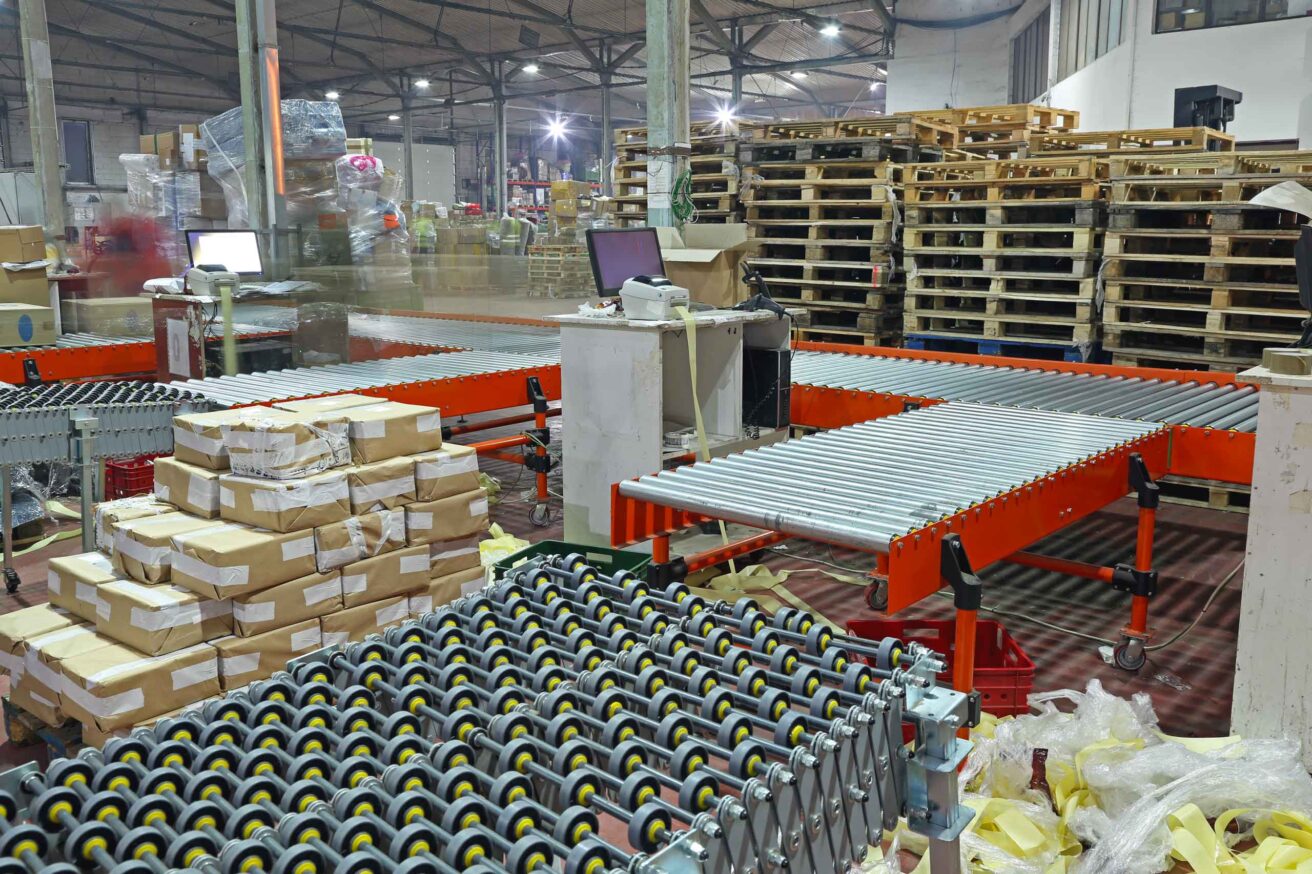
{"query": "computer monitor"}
(621, 254)
(237, 251)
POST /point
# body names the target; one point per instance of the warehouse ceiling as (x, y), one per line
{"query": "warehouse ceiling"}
(550, 56)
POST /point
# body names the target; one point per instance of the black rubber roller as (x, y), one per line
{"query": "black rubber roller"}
(747, 760)
(638, 789)
(579, 787)
(699, 792)
(528, 854)
(21, 839)
(649, 827)
(687, 758)
(573, 824)
(589, 857)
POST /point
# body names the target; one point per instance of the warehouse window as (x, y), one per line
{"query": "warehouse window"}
(1029, 60)
(76, 136)
(1173, 15)
(1092, 28)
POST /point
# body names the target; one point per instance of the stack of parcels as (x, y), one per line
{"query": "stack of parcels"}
(271, 533)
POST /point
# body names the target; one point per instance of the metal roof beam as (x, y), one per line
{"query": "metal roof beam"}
(444, 41)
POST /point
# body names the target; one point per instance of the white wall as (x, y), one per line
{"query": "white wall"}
(1305, 114)
(935, 67)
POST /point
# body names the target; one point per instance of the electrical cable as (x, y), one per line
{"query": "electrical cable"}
(681, 203)
(1206, 605)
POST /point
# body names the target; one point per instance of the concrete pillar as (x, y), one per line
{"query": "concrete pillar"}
(46, 153)
(667, 103)
(408, 146)
(1273, 666)
(261, 103)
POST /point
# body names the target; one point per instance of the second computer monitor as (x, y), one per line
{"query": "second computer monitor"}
(237, 251)
(621, 254)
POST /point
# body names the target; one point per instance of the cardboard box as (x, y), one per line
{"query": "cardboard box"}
(402, 572)
(448, 471)
(357, 538)
(192, 489)
(285, 505)
(228, 561)
(706, 260)
(115, 686)
(22, 324)
(20, 244)
(115, 316)
(447, 518)
(388, 429)
(356, 623)
(110, 512)
(17, 628)
(383, 485)
(245, 660)
(569, 188)
(277, 444)
(286, 604)
(29, 286)
(39, 686)
(73, 582)
(143, 547)
(331, 404)
(444, 590)
(448, 556)
(198, 437)
(160, 619)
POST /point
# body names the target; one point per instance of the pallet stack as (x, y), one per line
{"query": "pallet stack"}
(1158, 141)
(1002, 256)
(822, 201)
(1001, 131)
(559, 270)
(714, 165)
(1196, 276)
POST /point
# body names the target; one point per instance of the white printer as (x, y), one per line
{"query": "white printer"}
(652, 298)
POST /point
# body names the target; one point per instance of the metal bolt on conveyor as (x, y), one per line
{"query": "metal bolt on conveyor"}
(526, 729)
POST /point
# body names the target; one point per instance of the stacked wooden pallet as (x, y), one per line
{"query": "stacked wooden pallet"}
(1195, 275)
(1002, 256)
(1000, 131)
(559, 270)
(1158, 141)
(714, 165)
(822, 201)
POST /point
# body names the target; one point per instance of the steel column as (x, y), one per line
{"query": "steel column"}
(42, 120)
(408, 143)
(667, 104)
(261, 102)
(499, 156)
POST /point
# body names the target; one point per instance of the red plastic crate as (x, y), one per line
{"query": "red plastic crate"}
(131, 476)
(1004, 674)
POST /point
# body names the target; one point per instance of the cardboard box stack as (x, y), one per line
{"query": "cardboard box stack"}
(272, 533)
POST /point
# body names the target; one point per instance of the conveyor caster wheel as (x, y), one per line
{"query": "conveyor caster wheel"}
(540, 515)
(12, 581)
(877, 595)
(1129, 654)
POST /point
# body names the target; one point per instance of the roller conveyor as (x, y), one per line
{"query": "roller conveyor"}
(456, 333)
(1203, 405)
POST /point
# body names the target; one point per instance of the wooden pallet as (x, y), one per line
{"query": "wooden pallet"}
(1050, 240)
(1223, 297)
(901, 128)
(832, 212)
(861, 274)
(1203, 269)
(1225, 218)
(1147, 343)
(1172, 361)
(1212, 164)
(1009, 347)
(1049, 309)
(1036, 179)
(803, 233)
(1015, 213)
(860, 320)
(842, 149)
(836, 251)
(1155, 140)
(1211, 494)
(974, 326)
(856, 338)
(886, 298)
(1019, 285)
(1032, 262)
(1003, 117)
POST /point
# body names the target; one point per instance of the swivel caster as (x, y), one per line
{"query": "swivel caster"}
(12, 581)
(1129, 654)
(877, 595)
(540, 515)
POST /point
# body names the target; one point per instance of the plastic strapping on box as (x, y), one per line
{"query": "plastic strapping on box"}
(202, 491)
(285, 496)
(103, 708)
(168, 617)
(446, 465)
(391, 488)
(322, 592)
(395, 613)
(87, 594)
(421, 604)
(300, 547)
(219, 577)
(414, 564)
(428, 422)
(11, 663)
(184, 678)
(52, 581)
(150, 556)
(42, 700)
(40, 671)
(264, 612)
(211, 446)
(371, 430)
(235, 666)
(310, 638)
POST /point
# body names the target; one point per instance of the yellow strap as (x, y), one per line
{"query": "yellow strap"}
(46, 541)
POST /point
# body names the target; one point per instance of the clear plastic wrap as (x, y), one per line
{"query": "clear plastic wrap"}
(175, 200)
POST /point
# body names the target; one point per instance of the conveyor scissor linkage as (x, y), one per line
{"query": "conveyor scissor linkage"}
(559, 721)
(997, 478)
(1213, 418)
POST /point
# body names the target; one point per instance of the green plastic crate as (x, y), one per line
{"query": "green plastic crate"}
(606, 560)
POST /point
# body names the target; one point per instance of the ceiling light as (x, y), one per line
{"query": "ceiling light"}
(798, 74)
(556, 128)
(725, 116)
(530, 68)
(830, 30)
(332, 95)
(421, 83)
(394, 118)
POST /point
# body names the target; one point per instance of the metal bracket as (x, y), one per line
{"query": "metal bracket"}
(537, 463)
(318, 657)
(536, 396)
(31, 373)
(11, 781)
(967, 588)
(1126, 578)
(1142, 483)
